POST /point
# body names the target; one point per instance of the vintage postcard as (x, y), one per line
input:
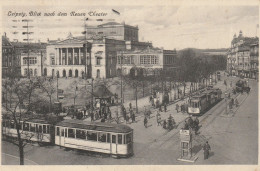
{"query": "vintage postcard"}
(161, 83)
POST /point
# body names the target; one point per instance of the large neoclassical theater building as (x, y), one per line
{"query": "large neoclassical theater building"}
(94, 55)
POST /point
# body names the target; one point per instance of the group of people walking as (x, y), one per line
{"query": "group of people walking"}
(182, 108)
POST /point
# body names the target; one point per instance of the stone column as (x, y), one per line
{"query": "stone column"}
(60, 56)
(73, 60)
(56, 56)
(79, 57)
(67, 55)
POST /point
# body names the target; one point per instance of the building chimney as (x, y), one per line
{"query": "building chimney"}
(5, 34)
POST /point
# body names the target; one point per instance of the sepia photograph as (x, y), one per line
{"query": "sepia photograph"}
(129, 84)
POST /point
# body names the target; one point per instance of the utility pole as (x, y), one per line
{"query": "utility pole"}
(28, 42)
(121, 77)
(57, 88)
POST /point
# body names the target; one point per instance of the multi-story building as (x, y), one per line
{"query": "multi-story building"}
(100, 46)
(254, 60)
(114, 30)
(7, 57)
(31, 62)
(149, 59)
(238, 56)
(67, 57)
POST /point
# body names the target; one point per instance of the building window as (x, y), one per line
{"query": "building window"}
(118, 59)
(25, 71)
(76, 58)
(98, 60)
(98, 73)
(35, 72)
(52, 57)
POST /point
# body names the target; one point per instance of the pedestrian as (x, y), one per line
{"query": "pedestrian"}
(164, 124)
(96, 116)
(165, 107)
(158, 117)
(133, 117)
(127, 119)
(103, 120)
(145, 122)
(160, 107)
(149, 113)
(186, 125)
(100, 113)
(130, 105)
(177, 108)
(236, 102)
(92, 116)
(206, 149)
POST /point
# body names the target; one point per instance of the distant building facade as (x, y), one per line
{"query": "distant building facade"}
(149, 59)
(114, 30)
(254, 60)
(95, 54)
(238, 56)
(8, 62)
(31, 62)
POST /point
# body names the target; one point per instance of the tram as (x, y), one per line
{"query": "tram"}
(35, 130)
(108, 138)
(201, 102)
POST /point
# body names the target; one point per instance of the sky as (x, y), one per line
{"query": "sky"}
(170, 27)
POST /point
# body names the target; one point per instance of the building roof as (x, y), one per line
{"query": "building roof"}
(102, 91)
(31, 45)
(109, 23)
(97, 126)
(6, 42)
(243, 48)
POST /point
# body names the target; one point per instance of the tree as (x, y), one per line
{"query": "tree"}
(47, 86)
(19, 92)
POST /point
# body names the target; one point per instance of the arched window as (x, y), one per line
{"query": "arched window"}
(70, 73)
(58, 74)
(82, 74)
(45, 72)
(35, 72)
(52, 58)
(53, 73)
(64, 73)
(76, 73)
(98, 73)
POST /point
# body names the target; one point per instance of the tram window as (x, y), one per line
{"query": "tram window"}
(11, 124)
(128, 138)
(114, 139)
(102, 137)
(25, 126)
(120, 139)
(124, 139)
(81, 134)
(44, 129)
(71, 133)
(91, 135)
(62, 131)
(32, 129)
(108, 137)
(58, 131)
(48, 129)
(36, 126)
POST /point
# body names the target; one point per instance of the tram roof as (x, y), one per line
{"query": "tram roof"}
(98, 126)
